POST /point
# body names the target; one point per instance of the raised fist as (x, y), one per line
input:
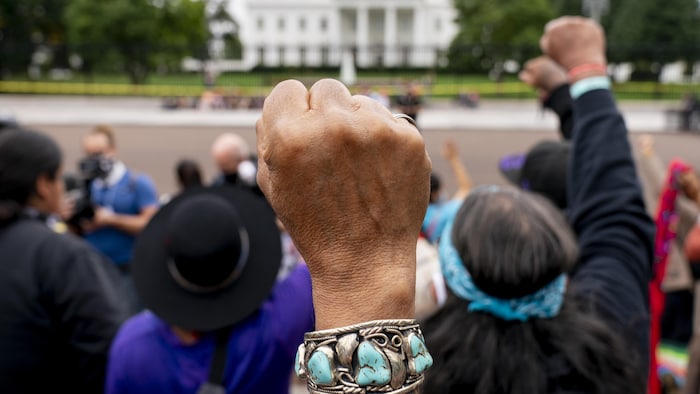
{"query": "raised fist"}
(543, 74)
(351, 185)
(574, 41)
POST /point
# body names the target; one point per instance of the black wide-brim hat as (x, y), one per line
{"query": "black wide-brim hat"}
(162, 292)
(542, 169)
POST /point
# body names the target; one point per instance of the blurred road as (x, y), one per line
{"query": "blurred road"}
(152, 139)
(502, 114)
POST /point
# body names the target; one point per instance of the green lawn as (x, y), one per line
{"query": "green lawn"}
(259, 83)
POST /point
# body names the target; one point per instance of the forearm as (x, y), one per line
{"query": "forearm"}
(604, 184)
(652, 170)
(131, 224)
(615, 232)
(464, 181)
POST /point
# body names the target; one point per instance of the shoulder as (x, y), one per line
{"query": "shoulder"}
(59, 244)
(137, 350)
(33, 235)
(56, 257)
(143, 184)
(140, 178)
(65, 254)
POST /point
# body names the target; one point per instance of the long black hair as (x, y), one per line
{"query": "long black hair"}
(513, 243)
(25, 155)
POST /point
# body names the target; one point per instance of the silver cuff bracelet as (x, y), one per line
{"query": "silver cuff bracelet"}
(379, 356)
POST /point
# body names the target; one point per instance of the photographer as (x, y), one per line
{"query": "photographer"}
(123, 203)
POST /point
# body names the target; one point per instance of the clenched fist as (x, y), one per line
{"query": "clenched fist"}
(574, 41)
(544, 74)
(351, 185)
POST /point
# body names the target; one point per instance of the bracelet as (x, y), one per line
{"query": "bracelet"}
(374, 357)
(587, 84)
(409, 119)
(584, 68)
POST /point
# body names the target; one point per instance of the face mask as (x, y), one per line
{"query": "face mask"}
(95, 166)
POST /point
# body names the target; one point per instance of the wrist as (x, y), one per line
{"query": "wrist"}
(586, 75)
(585, 85)
(377, 292)
(109, 219)
(554, 84)
(586, 70)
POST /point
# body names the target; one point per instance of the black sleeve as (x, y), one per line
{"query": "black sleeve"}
(607, 212)
(560, 102)
(88, 306)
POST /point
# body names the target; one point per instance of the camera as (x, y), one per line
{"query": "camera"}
(95, 166)
(78, 188)
(78, 191)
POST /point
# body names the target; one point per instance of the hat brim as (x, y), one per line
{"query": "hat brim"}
(511, 167)
(209, 311)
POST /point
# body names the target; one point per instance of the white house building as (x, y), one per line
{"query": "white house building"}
(315, 33)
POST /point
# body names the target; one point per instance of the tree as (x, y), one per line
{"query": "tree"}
(223, 30)
(491, 32)
(650, 33)
(135, 35)
(567, 7)
(27, 25)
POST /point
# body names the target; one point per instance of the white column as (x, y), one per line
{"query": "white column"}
(362, 35)
(420, 37)
(390, 42)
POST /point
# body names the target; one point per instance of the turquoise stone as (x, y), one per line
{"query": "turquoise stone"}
(374, 366)
(422, 359)
(319, 368)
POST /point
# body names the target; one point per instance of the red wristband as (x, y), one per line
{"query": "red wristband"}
(585, 68)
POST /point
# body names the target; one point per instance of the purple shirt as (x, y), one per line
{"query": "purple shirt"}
(147, 357)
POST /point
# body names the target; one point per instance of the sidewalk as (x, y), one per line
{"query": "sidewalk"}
(492, 114)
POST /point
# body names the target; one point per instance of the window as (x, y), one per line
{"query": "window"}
(261, 23)
(280, 24)
(302, 24)
(438, 25)
(324, 24)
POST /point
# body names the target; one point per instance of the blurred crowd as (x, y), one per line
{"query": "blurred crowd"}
(408, 100)
(298, 264)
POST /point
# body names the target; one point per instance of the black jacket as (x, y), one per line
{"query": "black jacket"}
(59, 311)
(607, 212)
(560, 102)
